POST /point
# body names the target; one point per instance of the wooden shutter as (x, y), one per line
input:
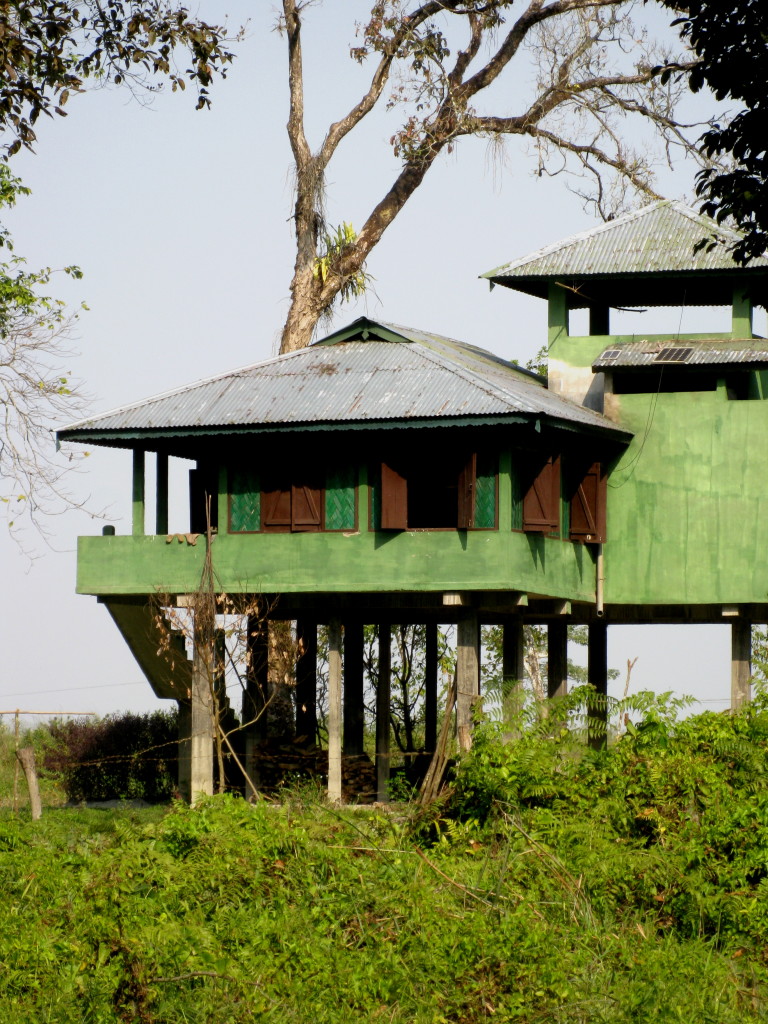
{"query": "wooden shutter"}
(541, 500)
(306, 509)
(588, 506)
(276, 510)
(394, 499)
(467, 480)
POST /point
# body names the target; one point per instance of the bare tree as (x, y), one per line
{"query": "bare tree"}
(589, 70)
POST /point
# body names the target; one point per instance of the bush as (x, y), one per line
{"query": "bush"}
(121, 756)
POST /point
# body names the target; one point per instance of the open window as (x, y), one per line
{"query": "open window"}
(437, 490)
(541, 495)
(203, 494)
(588, 505)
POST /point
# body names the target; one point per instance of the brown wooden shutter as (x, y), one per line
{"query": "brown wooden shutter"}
(394, 499)
(276, 510)
(306, 509)
(587, 520)
(541, 501)
(467, 480)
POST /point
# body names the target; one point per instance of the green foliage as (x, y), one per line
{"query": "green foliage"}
(336, 244)
(50, 48)
(237, 913)
(125, 756)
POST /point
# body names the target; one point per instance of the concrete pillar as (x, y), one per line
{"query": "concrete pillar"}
(201, 726)
(741, 662)
(597, 675)
(383, 694)
(354, 722)
(467, 675)
(513, 674)
(334, 711)
(557, 659)
(430, 687)
(306, 680)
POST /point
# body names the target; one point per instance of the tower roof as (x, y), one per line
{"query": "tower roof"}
(663, 254)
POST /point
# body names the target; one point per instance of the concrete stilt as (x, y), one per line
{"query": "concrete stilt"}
(334, 711)
(741, 663)
(597, 675)
(467, 676)
(383, 694)
(354, 724)
(201, 726)
(557, 659)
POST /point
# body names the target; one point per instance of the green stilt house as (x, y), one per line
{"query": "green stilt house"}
(387, 475)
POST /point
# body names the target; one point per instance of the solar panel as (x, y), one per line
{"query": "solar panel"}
(673, 355)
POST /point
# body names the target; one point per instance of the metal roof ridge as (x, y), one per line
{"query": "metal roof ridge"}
(547, 250)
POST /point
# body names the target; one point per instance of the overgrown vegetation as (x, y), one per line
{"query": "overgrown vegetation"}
(553, 884)
(122, 756)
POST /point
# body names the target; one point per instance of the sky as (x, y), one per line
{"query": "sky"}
(180, 221)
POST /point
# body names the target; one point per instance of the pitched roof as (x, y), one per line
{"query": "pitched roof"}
(660, 239)
(369, 373)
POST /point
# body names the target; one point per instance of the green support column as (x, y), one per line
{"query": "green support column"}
(557, 313)
(741, 317)
(597, 675)
(138, 492)
(557, 659)
(382, 712)
(354, 724)
(161, 495)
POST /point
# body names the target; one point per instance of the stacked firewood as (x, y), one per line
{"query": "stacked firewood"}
(278, 764)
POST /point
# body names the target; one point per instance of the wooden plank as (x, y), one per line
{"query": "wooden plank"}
(394, 499)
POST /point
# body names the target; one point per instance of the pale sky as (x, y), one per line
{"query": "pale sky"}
(180, 221)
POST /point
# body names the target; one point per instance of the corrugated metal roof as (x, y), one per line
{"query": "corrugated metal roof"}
(752, 351)
(351, 381)
(660, 238)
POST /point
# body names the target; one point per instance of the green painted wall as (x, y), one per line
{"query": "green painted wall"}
(336, 562)
(688, 500)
